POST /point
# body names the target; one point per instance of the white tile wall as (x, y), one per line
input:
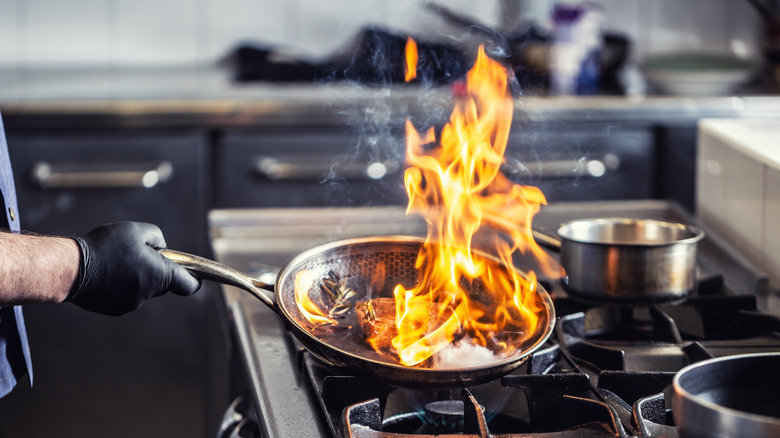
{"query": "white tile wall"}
(155, 32)
(672, 32)
(230, 22)
(9, 34)
(59, 32)
(119, 33)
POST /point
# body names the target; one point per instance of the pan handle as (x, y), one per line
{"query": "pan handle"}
(546, 241)
(210, 270)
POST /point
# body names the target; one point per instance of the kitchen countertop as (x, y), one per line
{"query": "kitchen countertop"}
(755, 138)
(206, 97)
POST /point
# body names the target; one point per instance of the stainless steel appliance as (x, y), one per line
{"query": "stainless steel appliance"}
(604, 372)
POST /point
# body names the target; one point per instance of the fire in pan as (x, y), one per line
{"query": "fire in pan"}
(338, 298)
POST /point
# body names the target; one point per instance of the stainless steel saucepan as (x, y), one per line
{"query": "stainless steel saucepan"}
(627, 260)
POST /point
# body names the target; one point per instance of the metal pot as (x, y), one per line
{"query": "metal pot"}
(729, 397)
(361, 260)
(627, 260)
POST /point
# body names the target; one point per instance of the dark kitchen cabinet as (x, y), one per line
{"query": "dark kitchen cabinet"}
(676, 171)
(68, 183)
(583, 161)
(568, 162)
(308, 167)
(146, 373)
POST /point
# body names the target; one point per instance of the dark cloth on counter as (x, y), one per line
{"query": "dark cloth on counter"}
(14, 348)
(375, 56)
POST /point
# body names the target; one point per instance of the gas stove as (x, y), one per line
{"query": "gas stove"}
(606, 371)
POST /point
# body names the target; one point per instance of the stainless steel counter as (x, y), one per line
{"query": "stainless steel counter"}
(206, 97)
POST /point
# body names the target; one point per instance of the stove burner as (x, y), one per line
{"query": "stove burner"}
(603, 374)
(446, 415)
(580, 417)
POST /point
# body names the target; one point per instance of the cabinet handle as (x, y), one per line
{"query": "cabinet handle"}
(83, 176)
(315, 167)
(587, 167)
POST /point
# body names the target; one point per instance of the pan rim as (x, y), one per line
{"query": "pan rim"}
(695, 399)
(519, 358)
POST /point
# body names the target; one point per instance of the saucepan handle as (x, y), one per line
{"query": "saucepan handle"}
(207, 269)
(546, 241)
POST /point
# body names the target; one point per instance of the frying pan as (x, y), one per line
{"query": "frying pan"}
(731, 396)
(371, 266)
(626, 260)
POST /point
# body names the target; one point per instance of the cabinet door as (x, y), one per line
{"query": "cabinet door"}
(308, 168)
(68, 183)
(582, 162)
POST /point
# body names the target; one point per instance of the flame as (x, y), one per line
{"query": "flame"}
(478, 219)
(304, 281)
(456, 184)
(410, 69)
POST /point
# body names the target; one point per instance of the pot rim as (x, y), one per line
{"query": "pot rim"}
(566, 233)
(689, 397)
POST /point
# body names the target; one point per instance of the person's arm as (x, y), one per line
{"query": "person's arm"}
(113, 269)
(36, 269)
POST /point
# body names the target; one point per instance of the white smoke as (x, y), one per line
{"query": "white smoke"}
(463, 354)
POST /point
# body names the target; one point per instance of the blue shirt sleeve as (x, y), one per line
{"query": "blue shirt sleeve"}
(15, 358)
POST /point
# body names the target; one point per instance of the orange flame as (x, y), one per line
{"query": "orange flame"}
(410, 69)
(457, 186)
(309, 309)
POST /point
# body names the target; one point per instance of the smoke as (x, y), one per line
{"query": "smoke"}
(368, 92)
(366, 169)
(463, 354)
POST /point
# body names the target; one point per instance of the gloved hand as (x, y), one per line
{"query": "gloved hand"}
(120, 269)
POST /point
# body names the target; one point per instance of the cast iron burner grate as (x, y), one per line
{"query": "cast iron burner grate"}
(605, 373)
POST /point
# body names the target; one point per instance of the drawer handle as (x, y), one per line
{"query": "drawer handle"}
(587, 167)
(315, 168)
(87, 176)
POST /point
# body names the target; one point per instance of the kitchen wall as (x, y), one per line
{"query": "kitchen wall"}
(111, 34)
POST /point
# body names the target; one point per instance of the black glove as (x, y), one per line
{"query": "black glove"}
(120, 269)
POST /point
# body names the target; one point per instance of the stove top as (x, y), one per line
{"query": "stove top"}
(606, 371)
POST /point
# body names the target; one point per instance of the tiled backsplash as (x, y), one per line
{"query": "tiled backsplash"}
(129, 33)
